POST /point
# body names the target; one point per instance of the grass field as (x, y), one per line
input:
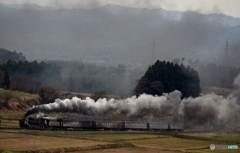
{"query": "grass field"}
(23, 140)
(13, 139)
(131, 150)
(17, 94)
(4, 114)
(216, 90)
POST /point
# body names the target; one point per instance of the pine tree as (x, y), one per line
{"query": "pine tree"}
(167, 77)
(6, 81)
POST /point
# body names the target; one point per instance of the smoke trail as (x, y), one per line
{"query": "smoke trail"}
(206, 108)
(141, 106)
(194, 111)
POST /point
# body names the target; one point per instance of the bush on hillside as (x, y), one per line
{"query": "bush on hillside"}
(165, 77)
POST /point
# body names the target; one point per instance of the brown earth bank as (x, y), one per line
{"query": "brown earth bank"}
(21, 104)
(20, 101)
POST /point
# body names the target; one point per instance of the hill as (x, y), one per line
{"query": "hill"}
(17, 101)
(112, 33)
(5, 55)
(20, 101)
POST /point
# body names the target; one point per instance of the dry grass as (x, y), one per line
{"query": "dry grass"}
(9, 124)
(4, 135)
(207, 150)
(117, 136)
(6, 114)
(120, 137)
(18, 94)
(69, 95)
(131, 150)
(23, 142)
(111, 136)
(217, 90)
(223, 137)
(16, 140)
(17, 101)
(112, 141)
(173, 144)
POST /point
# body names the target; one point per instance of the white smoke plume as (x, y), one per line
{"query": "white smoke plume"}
(194, 111)
(143, 105)
(209, 107)
(206, 108)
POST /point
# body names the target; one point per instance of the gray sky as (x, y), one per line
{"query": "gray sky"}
(229, 7)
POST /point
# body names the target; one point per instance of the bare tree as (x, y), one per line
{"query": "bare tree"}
(5, 98)
(98, 94)
(1, 78)
(26, 84)
(48, 94)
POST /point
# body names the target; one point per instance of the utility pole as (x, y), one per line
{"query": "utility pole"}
(225, 64)
(153, 50)
(225, 60)
(127, 79)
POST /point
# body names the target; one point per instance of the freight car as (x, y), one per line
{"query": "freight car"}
(107, 125)
(159, 126)
(176, 126)
(75, 124)
(133, 125)
(66, 124)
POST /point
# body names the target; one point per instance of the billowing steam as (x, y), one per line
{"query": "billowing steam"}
(141, 106)
(206, 108)
(209, 107)
(194, 111)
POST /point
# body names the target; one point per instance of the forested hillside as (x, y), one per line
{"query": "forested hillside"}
(5, 55)
(30, 76)
(121, 79)
(215, 75)
(72, 76)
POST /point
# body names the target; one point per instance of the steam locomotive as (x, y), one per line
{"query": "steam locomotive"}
(45, 123)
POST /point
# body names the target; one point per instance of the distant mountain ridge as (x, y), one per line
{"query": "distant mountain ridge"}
(112, 8)
(111, 32)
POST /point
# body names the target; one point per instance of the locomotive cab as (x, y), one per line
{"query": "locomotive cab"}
(22, 123)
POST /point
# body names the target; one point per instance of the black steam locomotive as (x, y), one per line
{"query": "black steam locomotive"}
(46, 123)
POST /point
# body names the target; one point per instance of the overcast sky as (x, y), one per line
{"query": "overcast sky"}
(229, 7)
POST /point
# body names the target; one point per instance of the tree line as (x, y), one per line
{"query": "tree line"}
(77, 76)
(29, 76)
(215, 75)
(72, 76)
(5, 55)
(164, 77)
